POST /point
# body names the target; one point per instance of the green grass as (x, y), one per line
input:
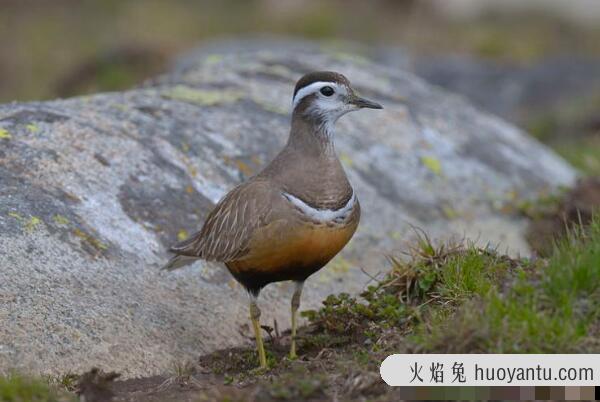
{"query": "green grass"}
(550, 308)
(18, 388)
(432, 281)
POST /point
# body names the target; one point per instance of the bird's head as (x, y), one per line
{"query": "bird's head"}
(325, 96)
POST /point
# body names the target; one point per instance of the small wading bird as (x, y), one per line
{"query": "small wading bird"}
(292, 218)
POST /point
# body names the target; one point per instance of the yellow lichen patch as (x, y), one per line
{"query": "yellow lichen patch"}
(32, 128)
(89, 239)
(279, 70)
(335, 269)
(340, 265)
(203, 97)
(32, 223)
(344, 56)
(396, 235)
(213, 59)
(512, 195)
(29, 224)
(4, 134)
(256, 160)
(182, 235)
(346, 160)
(15, 215)
(60, 220)
(120, 107)
(190, 167)
(244, 168)
(432, 164)
(271, 107)
(449, 211)
(185, 147)
(189, 189)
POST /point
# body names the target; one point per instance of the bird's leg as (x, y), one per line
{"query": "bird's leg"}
(255, 317)
(295, 306)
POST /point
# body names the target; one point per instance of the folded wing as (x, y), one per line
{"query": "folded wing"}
(229, 227)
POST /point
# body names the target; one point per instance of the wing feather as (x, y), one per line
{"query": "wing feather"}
(230, 225)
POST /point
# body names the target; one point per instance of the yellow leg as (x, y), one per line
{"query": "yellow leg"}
(295, 306)
(255, 317)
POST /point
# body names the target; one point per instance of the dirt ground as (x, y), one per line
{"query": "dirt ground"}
(321, 373)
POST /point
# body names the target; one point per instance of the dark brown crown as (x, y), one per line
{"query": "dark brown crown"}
(316, 76)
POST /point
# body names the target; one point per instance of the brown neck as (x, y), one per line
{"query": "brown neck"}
(308, 167)
(312, 135)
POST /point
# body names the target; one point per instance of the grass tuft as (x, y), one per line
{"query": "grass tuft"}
(432, 282)
(549, 308)
(19, 388)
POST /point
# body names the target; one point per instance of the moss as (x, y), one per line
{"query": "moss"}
(202, 97)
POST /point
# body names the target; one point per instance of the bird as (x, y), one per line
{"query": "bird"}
(289, 220)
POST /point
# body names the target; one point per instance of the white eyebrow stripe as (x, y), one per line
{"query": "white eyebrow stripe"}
(309, 89)
(322, 215)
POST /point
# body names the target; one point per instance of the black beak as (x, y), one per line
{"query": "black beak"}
(364, 103)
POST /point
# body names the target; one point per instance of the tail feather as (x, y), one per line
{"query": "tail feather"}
(179, 261)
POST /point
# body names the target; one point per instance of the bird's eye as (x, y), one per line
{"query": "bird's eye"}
(327, 91)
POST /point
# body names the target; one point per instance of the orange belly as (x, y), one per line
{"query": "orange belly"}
(283, 253)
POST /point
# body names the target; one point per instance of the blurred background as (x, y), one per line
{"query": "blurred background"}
(535, 62)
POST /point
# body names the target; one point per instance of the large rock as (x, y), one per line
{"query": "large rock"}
(94, 189)
(517, 93)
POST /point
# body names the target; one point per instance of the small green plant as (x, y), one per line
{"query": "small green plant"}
(18, 388)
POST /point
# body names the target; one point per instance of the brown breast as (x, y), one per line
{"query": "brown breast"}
(293, 249)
